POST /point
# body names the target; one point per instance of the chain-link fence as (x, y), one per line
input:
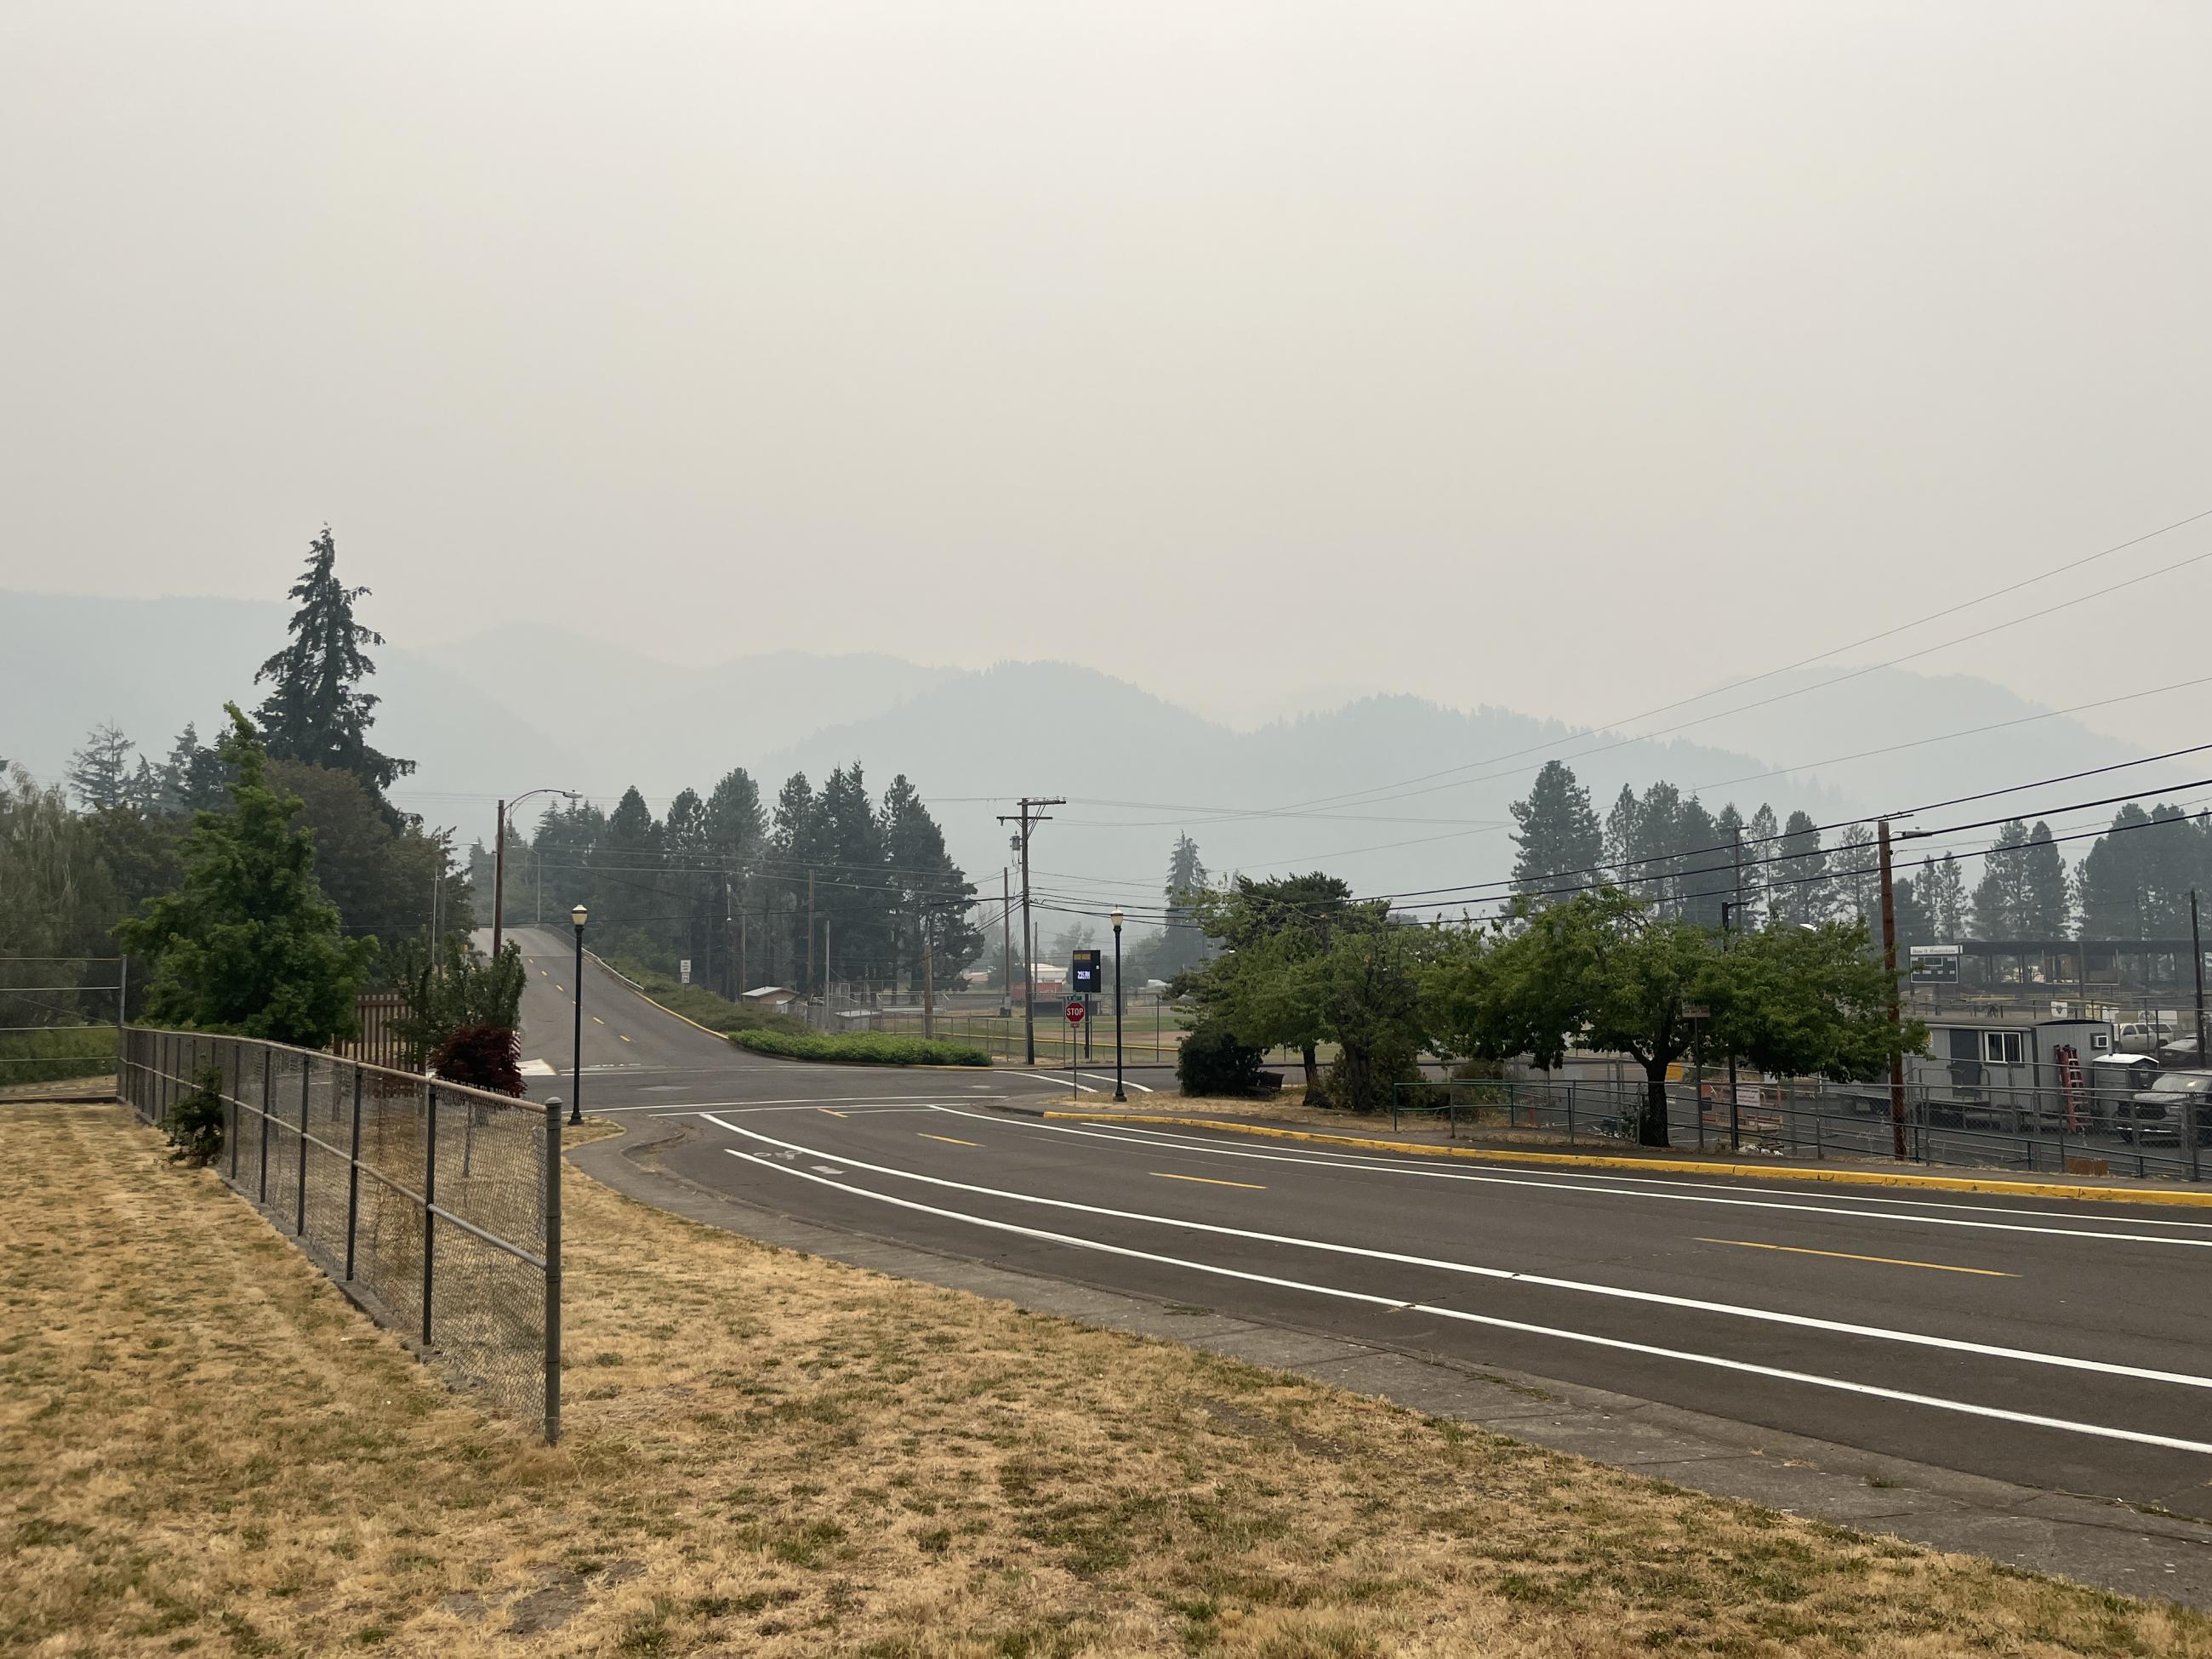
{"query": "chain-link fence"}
(437, 1207)
(2055, 1131)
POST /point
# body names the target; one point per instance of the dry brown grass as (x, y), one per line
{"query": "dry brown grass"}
(202, 1448)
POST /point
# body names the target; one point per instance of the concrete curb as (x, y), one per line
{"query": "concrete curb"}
(2089, 1540)
(1841, 1177)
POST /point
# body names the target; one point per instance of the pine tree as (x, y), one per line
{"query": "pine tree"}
(2049, 895)
(192, 778)
(1655, 860)
(2000, 902)
(1798, 869)
(1943, 897)
(934, 899)
(1760, 844)
(99, 772)
(314, 714)
(851, 892)
(1703, 875)
(1183, 944)
(1856, 866)
(1621, 836)
(1558, 836)
(247, 943)
(794, 846)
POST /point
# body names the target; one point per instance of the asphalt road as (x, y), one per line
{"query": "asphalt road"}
(2049, 1344)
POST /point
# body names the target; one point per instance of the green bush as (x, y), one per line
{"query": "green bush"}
(859, 1048)
(699, 1004)
(195, 1123)
(1212, 1061)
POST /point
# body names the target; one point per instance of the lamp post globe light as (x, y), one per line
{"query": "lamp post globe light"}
(1116, 920)
(579, 917)
(498, 860)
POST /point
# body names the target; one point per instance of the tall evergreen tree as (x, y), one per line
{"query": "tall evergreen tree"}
(1856, 866)
(99, 772)
(1183, 941)
(1799, 867)
(1943, 897)
(852, 893)
(1621, 835)
(1760, 844)
(247, 943)
(315, 713)
(2023, 893)
(1703, 875)
(794, 847)
(1559, 840)
(934, 900)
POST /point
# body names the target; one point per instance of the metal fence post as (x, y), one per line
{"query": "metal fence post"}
(237, 1103)
(552, 1271)
(429, 1200)
(268, 1086)
(1570, 1115)
(353, 1176)
(306, 1080)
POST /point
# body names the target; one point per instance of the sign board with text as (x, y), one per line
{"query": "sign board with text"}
(1936, 964)
(1088, 972)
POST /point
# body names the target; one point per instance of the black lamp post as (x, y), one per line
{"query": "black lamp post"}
(1116, 919)
(579, 917)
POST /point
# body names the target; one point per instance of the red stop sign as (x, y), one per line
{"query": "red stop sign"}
(1075, 1013)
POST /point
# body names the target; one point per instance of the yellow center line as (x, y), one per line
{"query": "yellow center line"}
(596, 1020)
(947, 1140)
(560, 988)
(825, 1108)
(623, 1036)
(1845, 1255)
(1211, 1182)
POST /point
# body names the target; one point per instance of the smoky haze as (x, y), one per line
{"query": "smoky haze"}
(1569, 358)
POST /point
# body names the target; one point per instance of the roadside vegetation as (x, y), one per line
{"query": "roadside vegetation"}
(861, 1048)
(699, 1004)
(775, 1455)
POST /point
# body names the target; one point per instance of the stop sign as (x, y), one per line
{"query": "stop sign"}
(1075, 1013)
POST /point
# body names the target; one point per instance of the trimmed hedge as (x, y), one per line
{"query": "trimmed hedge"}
(861, 1048)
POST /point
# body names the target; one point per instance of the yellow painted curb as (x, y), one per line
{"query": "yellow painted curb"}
(1677, 1166)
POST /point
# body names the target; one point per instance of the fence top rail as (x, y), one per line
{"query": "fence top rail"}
(413, 1080)
(8, 958)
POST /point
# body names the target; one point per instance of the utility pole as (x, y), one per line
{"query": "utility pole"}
(745, 917)
(1889, 971)
(1728, 943)
(1005, 943)
(810, 934)
(1028, 818)
(2189, 1101)
(928, 981)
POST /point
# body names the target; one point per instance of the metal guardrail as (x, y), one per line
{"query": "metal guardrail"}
(2037, 1134)
(436, 1207)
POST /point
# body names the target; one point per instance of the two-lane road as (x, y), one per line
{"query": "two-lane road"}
(2060, 1345)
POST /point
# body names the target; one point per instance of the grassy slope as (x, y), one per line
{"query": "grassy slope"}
(774, 1455)
(702, 1007)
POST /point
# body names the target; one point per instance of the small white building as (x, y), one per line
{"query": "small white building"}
(775, 999)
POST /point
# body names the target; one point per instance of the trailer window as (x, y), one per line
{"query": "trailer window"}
(2001, 1048)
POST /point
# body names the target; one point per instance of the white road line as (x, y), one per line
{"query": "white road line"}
(1805, 1322)
(1042, 1078)
(1742, 1366)
(1128, 1137)
(679, 1108)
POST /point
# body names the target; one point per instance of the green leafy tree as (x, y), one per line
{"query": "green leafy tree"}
(381, 877)
(1808, 1003)
(1559, 840)
(315, 713)
(464, 1012)
(1266, 927)
(247, 943)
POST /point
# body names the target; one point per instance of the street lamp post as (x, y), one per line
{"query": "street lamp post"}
(1116, 920)
(579, 917)
(499, 862)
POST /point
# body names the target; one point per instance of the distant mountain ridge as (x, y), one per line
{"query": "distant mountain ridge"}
(1393, 792)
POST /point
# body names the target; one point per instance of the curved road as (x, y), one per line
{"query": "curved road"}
(2065, 1345)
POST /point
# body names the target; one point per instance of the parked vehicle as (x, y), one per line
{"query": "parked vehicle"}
(2115, 1080)
(2159, 1113)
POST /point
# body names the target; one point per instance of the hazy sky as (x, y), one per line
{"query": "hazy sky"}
(1571, 357)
